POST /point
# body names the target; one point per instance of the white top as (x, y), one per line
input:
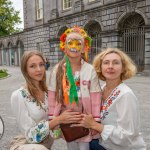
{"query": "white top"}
(121, 120)
(31, 119)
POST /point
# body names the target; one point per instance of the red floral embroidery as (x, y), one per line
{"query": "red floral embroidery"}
(108, 102)
(78, 83)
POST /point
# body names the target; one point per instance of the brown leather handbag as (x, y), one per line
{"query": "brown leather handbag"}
(73, 133)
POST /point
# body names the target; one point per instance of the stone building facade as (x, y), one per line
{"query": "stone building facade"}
(111, 23)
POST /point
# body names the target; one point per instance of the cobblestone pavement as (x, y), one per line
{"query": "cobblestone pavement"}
(140, 85)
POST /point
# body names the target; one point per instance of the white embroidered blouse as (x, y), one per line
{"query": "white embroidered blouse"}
(32, 120)
(121, 120)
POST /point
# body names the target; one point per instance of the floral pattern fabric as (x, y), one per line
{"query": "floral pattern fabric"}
(106, 104)
(120, 117)
(29, 98)
(39, 132)
(32, 119)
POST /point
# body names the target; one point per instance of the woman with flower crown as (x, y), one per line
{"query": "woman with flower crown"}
(74, 85)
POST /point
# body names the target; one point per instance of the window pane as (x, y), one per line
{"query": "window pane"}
(91, 0)
(40, 4)
(67, 4)
(39, 9)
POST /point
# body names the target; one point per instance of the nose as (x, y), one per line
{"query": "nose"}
(110, 65)
(73, 45)
(38, 68)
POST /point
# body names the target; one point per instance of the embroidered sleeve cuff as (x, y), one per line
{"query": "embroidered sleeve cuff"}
(38, 133)
(51, 117)
(107, 130)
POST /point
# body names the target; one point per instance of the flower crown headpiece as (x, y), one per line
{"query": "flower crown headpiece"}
(82, 32)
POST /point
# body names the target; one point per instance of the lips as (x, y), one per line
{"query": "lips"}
(110, 72)
(73, 50)
(38, 75)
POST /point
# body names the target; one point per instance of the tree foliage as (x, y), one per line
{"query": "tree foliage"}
(9, 17)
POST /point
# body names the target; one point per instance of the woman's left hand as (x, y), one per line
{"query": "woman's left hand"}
(89, 122)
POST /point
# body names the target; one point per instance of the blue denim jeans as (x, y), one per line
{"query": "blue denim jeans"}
(94, 145)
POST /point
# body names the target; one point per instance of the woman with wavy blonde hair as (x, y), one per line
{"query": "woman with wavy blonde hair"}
(120, 127)
(129, 68)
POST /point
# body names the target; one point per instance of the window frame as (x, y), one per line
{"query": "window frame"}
(91, 1)
(39, 9)
(68, 4)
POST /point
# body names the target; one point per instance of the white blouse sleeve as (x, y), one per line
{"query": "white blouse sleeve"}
(127, 122)
(34, 132)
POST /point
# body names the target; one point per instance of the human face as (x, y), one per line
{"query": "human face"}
(74, 45)
(36, 68)
(112, 67)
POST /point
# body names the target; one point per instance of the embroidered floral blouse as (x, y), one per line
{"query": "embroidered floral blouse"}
(120, 117)
(31, 119)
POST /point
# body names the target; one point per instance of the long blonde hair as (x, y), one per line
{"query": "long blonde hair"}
(129, 68)
(30, 85)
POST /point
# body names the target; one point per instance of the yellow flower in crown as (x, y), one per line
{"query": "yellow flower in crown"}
(83, 33)
(62, 45)
(67, 31)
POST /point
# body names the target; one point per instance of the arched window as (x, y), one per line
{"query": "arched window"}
(133, 38)
(11, 54)
(20, 51)
(60, 53)
(94, 30)
(54, 47)
(1, 54)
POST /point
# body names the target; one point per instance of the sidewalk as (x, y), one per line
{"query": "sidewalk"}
(140, 85)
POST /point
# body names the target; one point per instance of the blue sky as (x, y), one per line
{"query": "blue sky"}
(18, 5)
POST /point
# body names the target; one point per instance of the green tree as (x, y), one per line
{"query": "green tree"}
(9, 17)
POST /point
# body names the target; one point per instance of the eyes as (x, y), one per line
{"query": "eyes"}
(74, 42)
(34, 66)
(77, 43)
(114, 62)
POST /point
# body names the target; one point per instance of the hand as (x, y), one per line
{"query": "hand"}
(69, 116)
(93, 132)
(89, 122)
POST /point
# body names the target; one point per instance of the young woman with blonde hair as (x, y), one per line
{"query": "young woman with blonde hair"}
(30, 106)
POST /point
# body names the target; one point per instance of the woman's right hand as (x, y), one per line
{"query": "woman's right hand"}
(68, 116)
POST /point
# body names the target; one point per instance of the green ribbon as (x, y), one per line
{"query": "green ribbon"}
(73, 96)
